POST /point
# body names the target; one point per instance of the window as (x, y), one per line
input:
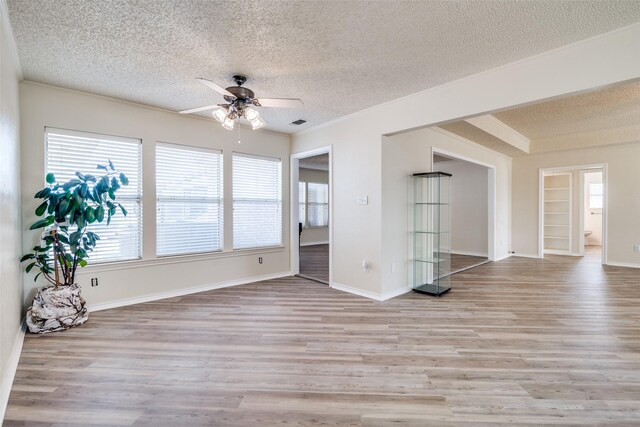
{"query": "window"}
(595, 195)
(302, 203)
(314, 204)
(189, 200)
(257, 201)
(318, 204)
(70, 151)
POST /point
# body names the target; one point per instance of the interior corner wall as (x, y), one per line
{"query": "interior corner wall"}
(150, 277)
(469, 207)
(603, 60)
(10, 225)
(409, 153)
(314, 235)
(622, 198)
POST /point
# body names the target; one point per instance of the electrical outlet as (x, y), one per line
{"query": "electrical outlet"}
(636, 248)
(94, 281)
(259, 260)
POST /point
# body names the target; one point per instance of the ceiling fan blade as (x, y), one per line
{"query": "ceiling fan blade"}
(216, 87)
(281, 102)
(195, 110)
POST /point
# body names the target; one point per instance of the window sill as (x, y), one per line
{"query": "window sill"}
(176, 259)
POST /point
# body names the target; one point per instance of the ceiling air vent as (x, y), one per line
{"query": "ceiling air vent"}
(299, 122)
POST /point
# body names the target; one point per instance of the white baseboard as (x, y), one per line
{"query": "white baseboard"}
(185, 291)
(623, 264)
(368, 294)
(11, 367)
(322, 242)
(395, 293)
(526, 255)
(501, 257)
(471, 253)
(565, 253)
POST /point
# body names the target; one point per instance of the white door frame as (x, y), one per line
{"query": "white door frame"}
(605, 206)
(491, 203)
(294, 180)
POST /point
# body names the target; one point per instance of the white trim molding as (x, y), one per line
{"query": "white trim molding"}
(623, 264)
(11, 368)
(368, 294)
(185, 291)
(470, 253)
(322, 242)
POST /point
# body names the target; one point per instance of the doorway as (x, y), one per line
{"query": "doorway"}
(573, 211)
(311, 215)
(591, 225)
(472, 210)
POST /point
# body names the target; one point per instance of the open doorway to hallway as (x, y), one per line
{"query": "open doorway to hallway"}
(312, 217)
(470, 194)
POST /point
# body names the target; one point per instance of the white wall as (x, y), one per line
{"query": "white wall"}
(48, 106)
(409, 153)
(314, 235)
(469, 207)
(10, 227)
(357, 139)
(592, 217)
(623, 199)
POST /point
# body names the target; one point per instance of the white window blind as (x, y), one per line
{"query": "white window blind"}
(189, 200)
(318, 204)
(257, 201)
(71, 151)
(302, 203)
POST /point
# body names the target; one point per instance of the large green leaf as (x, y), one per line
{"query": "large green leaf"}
(75, 236)
(112, 194)
(89, 214)
(26, 257)
(30, 266)
(124, 211)
(43, 194)
(71, 183)
(123, 179)
(111, 165)
(51, 178)
(100, 213)
(42, 223)
(40, 210)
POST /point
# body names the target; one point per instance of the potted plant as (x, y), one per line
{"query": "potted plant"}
(67, 211)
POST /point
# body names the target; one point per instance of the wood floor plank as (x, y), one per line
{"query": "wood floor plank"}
(517, 342)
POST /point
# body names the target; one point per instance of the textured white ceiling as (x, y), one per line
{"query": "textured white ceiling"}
(610, 108)
(337, 56)
(603, 117)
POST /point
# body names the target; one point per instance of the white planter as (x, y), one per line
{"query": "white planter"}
(56, 309)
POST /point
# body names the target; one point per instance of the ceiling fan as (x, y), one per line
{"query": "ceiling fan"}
(240, 103)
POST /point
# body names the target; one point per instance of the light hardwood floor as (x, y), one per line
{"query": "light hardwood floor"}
(517, 342)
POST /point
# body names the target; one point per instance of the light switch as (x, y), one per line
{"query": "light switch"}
(363, 200)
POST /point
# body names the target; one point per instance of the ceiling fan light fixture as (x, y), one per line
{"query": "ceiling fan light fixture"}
(228, 123)
(257, 123)
(220, 114)
(251, 114)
